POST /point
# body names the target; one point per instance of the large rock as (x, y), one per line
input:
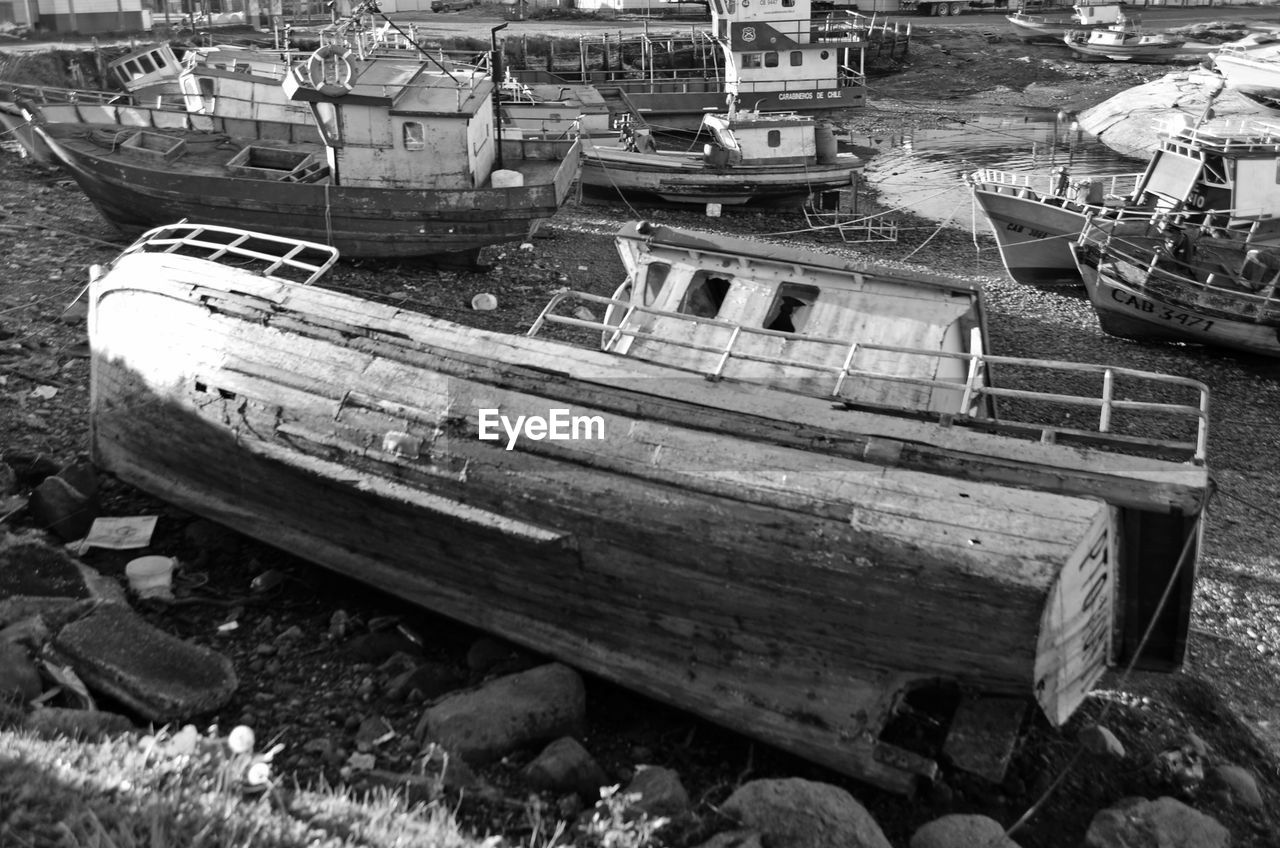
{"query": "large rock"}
(803, 814)
(19, 676)
(157, 675)
(491, 720)
(566, 766)
(660, 790)
(1162, 823)
(37, 578)
(962, 831)
(1130, 123)
(1239, 784)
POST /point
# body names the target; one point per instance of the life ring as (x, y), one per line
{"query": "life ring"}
(330, 78)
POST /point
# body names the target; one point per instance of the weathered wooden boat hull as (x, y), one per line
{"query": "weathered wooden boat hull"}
(1131, 313)
(1034, 237)
(681, 179)
(796, 597)
(361, 222)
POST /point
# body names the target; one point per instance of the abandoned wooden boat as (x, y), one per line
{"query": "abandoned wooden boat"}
(1123, 41)
(1163, 280)
(751, 157)
(628, 506)
(771, 57)
(409, 163)
(1052, 26)
(1221, 171)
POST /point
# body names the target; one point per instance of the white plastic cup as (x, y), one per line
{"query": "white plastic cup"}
(151, 576)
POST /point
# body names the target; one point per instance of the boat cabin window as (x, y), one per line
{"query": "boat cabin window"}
(704, 296)
(415, 136)
(206, 86)
(775, 138)
(791, 308)
(824, 55)
(771, 60)
(787, 4)
(797, 58)
(655, 280)
(752, 60)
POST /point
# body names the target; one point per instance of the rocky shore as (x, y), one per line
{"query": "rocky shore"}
(349, 681)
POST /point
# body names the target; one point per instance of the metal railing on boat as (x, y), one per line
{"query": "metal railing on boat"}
(237, 248)
(975, 386)
(1042, 183)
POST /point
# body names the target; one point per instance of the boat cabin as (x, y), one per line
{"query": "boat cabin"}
(775, 57)
(243, 86)
(1232, 167)
(147, 71)
(752, 138)
(401, 124)
(808, 323)
(1095, 14)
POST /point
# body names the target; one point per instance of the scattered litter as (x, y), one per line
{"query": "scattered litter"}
(120, 533)
(44, 392)
(484, 302)
(228, 626)
(267, 580)
(582, 313)
(68, 681)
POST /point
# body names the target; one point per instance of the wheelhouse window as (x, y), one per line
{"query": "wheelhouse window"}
(797, 58)
(771, 60)
(415, 136)
(705, 296)
(655, 280)
(774, 138)
(791, 308)
(752, 60)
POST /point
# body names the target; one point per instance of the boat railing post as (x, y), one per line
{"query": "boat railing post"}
(1108, 388)
(970, 385)
(728, 352)
(845, 369)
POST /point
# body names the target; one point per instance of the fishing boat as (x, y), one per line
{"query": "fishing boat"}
(1251, 66)
(751, 157)
(1161, 279)
(1223, 170)
(769, 57)
(401, 158)
(763, 484)
(1053, 26)
(1123, 41)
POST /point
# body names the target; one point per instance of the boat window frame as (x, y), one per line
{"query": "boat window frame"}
(797, 58)
(653, 288)
(701, 284)
(772, 59)
(804, 296)
(752, 60)
(419, 143)
(773, 139)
